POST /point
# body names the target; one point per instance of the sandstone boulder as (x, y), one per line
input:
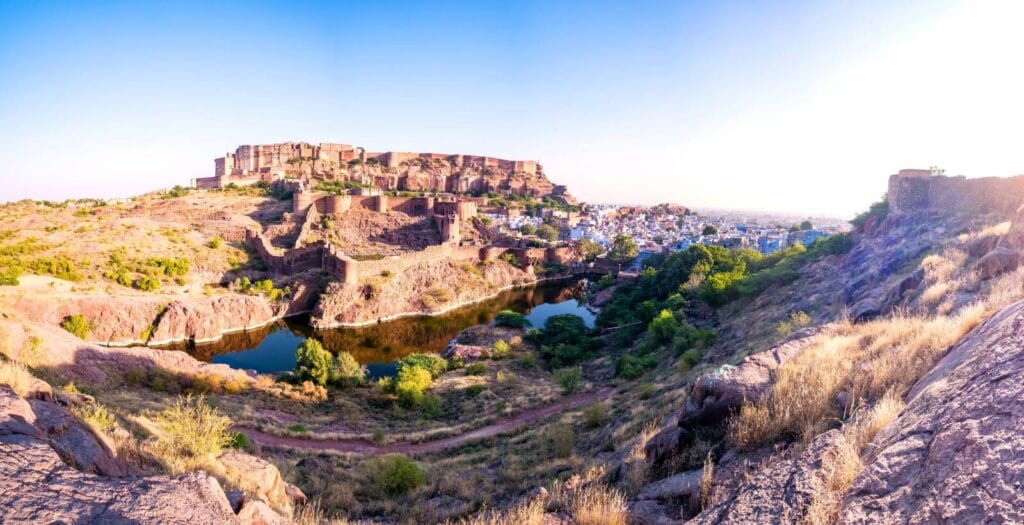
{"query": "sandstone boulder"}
(684, 486)
(665, 444)
(717, 394)
(997, 262)
(262, 479)
(76, 443)
(465, 352)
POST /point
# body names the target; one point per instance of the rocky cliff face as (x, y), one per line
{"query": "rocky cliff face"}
(424, 288)
(955, 453)
(38, 439)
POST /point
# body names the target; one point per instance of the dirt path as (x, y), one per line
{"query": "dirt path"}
(362, 446)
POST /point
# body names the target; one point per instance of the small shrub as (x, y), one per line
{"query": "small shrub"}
(570, 379)
(501, 349)
(432, 405)
(394, 474)
(434, 364)
(689, 359)
(476, 369)
(504, 376)
(795, 322)
(475, 390)
(147, 283)
(632, 367)
(77, 325)
(191, 428)
(647, 390)
(410, 384)
(595, 415)
(97, 417)
(298, 427)
(215, 243)
(239, 440)
(511, 319)
(528, 361)
(560, 440)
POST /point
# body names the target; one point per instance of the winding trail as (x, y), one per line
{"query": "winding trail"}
(363, 446)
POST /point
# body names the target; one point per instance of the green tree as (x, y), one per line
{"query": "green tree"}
(313, 362)
(623, 249)
(588, 250)
(347, 371)
(806, 225)
(547, 232)
(410, 384)
(709, 229)
(663, 328)
(528, 229)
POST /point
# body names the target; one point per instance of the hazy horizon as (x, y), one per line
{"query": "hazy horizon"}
(801, 108)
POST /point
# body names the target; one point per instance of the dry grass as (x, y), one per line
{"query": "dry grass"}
(596, 504)
(636, 462)
(842, 464)
(707, 478)
(16, 376)
(528, 513)
(190, 433)
(865, 361)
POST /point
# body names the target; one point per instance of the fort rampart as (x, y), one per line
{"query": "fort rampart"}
(914, 190)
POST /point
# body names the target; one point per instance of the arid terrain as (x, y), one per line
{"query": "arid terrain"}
(848, 381)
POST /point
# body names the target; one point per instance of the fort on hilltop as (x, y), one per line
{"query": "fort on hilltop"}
(928, 189)
(390, 171)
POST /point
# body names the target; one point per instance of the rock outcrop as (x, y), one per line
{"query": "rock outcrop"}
(45, 346)
(954, 455)
(130, 319)
(37, 486)
(718, 394)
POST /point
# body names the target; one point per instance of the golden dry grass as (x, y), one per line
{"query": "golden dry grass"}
(597, 504)
(527, 513)
(842, 464)
(865, 361)
(16, 376)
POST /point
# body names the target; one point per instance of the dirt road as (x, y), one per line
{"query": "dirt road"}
(362, 446)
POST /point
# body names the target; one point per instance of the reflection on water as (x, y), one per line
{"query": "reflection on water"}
(272, 348)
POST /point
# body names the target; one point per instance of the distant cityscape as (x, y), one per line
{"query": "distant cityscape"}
(669, 228)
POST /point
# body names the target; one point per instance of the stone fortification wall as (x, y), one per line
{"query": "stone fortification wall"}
(913, 190)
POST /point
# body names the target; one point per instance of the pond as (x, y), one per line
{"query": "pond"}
(272, 348)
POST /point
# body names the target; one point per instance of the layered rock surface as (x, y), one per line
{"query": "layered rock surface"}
(37, 486)
(956, 454)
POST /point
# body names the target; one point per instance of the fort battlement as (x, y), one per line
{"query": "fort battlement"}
(390, 170)
(917, 190)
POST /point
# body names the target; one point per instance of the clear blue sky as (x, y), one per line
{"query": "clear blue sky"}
(790, 106)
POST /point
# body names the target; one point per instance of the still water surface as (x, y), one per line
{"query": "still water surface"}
(272, 348)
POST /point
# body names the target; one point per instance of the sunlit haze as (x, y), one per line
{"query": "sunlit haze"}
(794, 107)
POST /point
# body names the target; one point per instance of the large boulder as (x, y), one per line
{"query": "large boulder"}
(262, 479)
(997, 262)
(719, 393)
(954, 455)
(76, 443)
